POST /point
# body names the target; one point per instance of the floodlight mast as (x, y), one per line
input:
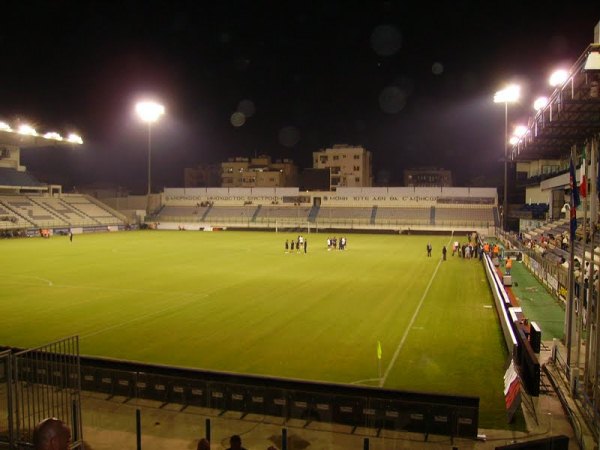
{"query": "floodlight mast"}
(149, 112)
(510, 94)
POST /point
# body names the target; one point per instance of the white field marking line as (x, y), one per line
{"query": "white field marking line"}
(143, 316)
(410, 325)
(49, 282)
(364, 381)
(103, 288)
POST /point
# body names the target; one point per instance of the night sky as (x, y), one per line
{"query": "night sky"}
(411, 81)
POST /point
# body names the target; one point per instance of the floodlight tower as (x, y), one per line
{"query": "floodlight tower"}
(149, 112)
(509, 94)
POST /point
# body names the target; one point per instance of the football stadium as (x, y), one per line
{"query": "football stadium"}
(418, 316)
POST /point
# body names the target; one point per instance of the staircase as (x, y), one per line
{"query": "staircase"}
(432, 216)
(255, 215)
(373, 214)
(206, 213)
(314, 212)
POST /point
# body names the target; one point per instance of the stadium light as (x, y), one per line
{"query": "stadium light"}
(520, 131)
(540, 103)
(513, 140)
(510, 94)
(74, 139)
(149, 112)
(27, 130)
(558, 77)
(53, 135)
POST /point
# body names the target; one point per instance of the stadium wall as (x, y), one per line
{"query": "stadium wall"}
(393, 196)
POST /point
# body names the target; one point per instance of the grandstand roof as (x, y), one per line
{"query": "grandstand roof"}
(569, 118)
(28, 141)
(13, 178)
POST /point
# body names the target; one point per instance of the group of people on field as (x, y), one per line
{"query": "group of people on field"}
(467, 250)
(334, 244)
(298, 245)
(472, 249)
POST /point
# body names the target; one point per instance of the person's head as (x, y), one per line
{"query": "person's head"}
(235, 442)
(51, 434)
(203, 444)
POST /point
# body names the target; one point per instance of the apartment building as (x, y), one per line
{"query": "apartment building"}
(349, 166)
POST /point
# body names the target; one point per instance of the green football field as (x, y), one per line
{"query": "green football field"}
(237, 302)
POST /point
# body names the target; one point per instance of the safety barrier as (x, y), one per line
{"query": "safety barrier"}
(310, 401)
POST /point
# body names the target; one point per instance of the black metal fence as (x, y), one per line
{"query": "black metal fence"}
(311, 401)
(37, 384)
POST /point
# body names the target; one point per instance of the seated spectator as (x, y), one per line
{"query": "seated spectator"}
(51, 434)
(203, 444)
(235, 443)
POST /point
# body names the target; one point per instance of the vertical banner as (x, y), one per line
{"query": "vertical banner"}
(512, 391)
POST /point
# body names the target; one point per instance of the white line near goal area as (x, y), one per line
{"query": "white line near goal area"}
(411, 323)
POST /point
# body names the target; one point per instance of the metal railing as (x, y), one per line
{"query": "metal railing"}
(37, 384)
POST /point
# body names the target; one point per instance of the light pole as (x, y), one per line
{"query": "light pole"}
(509, 94)
(149, 112)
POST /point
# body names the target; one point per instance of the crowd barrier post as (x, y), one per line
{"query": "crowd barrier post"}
(207, 429)
(284, 439)
(138, 428)
(75, 421)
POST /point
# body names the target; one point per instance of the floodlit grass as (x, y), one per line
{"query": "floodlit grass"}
(237, 302)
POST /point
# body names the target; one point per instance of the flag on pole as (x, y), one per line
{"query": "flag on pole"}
(379, 350)
(582, 176)
(574, 200)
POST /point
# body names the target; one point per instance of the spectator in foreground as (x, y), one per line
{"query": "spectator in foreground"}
(235, 443)
(51, 434)
(203, 444)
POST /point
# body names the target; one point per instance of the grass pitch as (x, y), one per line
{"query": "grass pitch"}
(237, 302)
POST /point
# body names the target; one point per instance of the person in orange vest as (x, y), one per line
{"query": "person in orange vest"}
(486, 248)
(508, 266)
(496, 250)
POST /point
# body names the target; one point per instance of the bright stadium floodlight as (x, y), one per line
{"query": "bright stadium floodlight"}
(27, 130)
(74, 139)
(53, 135)
(540, 103)
(520, 131)
(558, 78)
(149, 112)
(513, 140)
(510, 94)
(5, 127)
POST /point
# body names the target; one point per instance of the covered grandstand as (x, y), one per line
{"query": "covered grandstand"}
(562, 248)
(28, 205)
(398, 209)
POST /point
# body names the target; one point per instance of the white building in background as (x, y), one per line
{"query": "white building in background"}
(349, 166)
